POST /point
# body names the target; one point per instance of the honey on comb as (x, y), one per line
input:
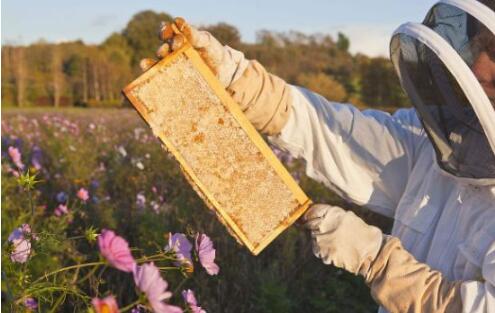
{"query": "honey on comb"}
(219, 157)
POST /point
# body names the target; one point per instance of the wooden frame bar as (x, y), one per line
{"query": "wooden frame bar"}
(193, 56)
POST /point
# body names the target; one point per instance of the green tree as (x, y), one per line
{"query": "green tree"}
(343, 42)
(141, 34)
(324, 85)
(80, 74)
(225, 33)
(380, 85)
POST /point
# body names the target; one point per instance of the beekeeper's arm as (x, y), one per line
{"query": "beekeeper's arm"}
(397, 280)
(366, 156)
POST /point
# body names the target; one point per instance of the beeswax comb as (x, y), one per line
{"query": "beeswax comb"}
(221, 154)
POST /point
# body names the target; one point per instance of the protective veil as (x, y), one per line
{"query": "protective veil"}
(434, 61)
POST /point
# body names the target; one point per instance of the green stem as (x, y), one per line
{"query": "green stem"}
(156, 257)
(58, 302)
(10, 296)
(88, 275)
(76, 275)
(180, 285)
(76, 237)
(30, 202)
(103, 269)
(130, 306)
(68, 268)
(167, 268)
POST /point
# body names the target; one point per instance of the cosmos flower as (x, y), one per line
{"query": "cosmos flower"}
(15, 155)
(136, 309)
(105, 305)
(61, 197)
(283, 156)
(6, 141)
(297, 176)
(155, 206)
(116, 250)
(83, 194)
(122, 151)
(21, 244)
(95, 184)
(140, 200)
(191, 301)
(206, 254)
(140, 165)
(182, 247)
(36, 157)
(62, 209)
(148, 279)
(30, 304)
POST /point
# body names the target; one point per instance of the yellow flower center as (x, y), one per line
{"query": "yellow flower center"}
(105, 308)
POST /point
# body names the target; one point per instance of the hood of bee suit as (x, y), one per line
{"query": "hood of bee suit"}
(446, 65)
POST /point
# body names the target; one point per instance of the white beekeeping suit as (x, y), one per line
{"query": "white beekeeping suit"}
(431, 168)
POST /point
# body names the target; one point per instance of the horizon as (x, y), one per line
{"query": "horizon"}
(367, 25)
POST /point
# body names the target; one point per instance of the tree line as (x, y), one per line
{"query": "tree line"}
(78, 74)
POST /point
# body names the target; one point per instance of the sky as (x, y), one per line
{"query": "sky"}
(367, 23)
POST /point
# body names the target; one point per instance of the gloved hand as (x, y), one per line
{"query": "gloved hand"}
(342, 239)
(226, 63)
(263, 97)
(397, 280)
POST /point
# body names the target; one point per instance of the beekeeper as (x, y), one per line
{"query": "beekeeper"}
(431, 168)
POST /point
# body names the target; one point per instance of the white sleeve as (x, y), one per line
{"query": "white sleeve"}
(365, 157)
(479, 297)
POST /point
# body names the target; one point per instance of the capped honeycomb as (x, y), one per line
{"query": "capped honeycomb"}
(223, 157)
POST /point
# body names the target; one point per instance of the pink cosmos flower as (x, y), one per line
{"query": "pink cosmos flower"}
(140, 200)
(26, 229)
(116, 250)
(182, 247)
(62, 209)
(15, 155)
(155, 206)
(137, 309)
(21, 244)
(191, 301)
(105, 305)
(13, 172)
(148, 279)
(206, 254)
(83, 194)
(31, 304)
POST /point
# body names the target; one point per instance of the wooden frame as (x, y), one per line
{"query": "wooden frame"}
(193, 56)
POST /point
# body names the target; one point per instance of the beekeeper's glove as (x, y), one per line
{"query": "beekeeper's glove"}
(264, 98)
(397, 280)
(341, 238)
(226, 63)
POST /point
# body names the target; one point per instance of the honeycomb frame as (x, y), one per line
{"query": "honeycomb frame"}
(192, 56)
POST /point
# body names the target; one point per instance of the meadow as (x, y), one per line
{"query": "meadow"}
(74, 174)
